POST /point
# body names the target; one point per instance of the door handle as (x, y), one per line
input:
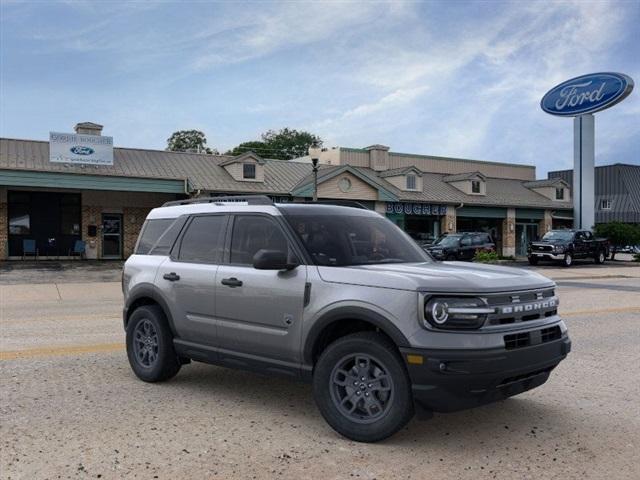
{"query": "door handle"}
(231, 282)
(172, 277)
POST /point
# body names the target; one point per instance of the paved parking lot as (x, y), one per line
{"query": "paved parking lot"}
(71, 408)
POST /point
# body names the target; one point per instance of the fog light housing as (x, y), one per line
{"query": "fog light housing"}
(456, 312)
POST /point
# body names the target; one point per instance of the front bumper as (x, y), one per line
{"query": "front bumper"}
(547, 255)
(450, 380)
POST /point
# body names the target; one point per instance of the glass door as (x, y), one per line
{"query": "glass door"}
(111, 235)
(525, 233)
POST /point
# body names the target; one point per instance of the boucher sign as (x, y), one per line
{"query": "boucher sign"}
(80, 149)
(587, 94)
(416, 208)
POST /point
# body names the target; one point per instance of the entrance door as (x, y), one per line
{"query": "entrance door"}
(525, 233)
(112, 235)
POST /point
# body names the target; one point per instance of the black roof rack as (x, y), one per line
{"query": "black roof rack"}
(249, 199)
(337, 203)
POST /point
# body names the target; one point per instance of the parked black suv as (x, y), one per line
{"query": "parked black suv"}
(461, 246)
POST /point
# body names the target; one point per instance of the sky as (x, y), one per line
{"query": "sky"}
(450, 78)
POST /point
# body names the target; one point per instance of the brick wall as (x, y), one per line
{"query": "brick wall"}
(133, 218)
(448, 222)
(509, 233)
(4, 227)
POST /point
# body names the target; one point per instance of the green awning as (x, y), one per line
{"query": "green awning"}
(28, 178)
(482, 212)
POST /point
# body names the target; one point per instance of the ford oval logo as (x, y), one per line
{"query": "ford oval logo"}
(587, 94)
(79, 150)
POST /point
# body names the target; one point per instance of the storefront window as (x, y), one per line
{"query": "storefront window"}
(19, 217)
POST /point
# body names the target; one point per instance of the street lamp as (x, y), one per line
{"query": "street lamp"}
(314, 153)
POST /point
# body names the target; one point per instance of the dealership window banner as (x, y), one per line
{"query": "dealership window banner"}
(416, 208)
(80, 149)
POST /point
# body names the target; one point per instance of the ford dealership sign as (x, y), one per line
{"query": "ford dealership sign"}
(80, 149)
(587, 94)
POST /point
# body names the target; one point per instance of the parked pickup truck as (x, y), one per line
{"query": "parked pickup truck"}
(566, 245)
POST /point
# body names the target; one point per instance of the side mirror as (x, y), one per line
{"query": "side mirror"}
(272, 260)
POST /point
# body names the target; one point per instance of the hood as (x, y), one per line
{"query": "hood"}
(441, 276)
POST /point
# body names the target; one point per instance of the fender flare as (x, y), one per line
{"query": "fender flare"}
(350, 313)
(149, 291)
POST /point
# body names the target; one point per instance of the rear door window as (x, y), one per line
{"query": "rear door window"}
(151, 232)
(203, 240)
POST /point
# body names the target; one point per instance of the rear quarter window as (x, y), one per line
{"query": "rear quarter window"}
(151, 232)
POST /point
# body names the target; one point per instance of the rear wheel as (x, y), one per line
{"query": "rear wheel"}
(150, 345)
(567, 261)
(362, 388)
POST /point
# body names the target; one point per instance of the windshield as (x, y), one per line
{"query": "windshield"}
(345, 240)
(447, 241)
(558, 235)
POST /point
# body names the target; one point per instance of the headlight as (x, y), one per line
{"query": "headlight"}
(456, 312)
(559, 248)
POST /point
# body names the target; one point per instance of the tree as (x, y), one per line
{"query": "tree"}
(257, 147)
(188, 141)
(284, 144)
(619, 234)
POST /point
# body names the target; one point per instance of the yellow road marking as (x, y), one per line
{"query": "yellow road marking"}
(604, 310)
(56, 351)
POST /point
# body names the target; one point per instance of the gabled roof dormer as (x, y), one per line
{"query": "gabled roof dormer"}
(472, 183)
(554, 189)
(408, 179)
(247, 167)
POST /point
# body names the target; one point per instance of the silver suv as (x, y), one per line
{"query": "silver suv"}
(340, 297)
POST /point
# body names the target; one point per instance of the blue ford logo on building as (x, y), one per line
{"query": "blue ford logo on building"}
(80, 150)
(587, 94)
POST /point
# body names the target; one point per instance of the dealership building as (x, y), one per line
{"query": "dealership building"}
(78, 188)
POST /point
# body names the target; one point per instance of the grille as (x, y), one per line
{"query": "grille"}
(526, 339)
(524, 376)
(522, 306)
(542, 248)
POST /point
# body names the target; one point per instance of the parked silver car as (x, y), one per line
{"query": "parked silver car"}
(338, 296)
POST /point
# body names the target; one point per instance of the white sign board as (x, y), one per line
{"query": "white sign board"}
(77, 149)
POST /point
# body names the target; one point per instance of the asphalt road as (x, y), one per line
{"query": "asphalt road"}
(71, 408)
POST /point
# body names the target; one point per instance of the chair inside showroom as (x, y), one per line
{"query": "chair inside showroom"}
(29, 248)
(79, 249)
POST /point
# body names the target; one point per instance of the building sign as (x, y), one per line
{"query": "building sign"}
(416, 208)
(587, 94)
(80, 149)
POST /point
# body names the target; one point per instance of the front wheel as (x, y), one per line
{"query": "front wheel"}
(600, 257)
(150, 345)
(362, 387)
(533, 260)
(567, 261)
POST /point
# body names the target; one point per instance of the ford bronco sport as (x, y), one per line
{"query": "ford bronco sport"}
(340, 297)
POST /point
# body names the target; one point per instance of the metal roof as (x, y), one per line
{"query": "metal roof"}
(205, 172)
(463, 176)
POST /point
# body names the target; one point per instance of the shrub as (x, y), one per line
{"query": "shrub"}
(619, 234)
(485, 257)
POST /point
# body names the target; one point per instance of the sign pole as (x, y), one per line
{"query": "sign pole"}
(583, 171)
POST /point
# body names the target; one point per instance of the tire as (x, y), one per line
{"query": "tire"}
(451, 258)
(532, 260)
(379, 408)
(600, 257)
(152, 357)
(568, 260)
